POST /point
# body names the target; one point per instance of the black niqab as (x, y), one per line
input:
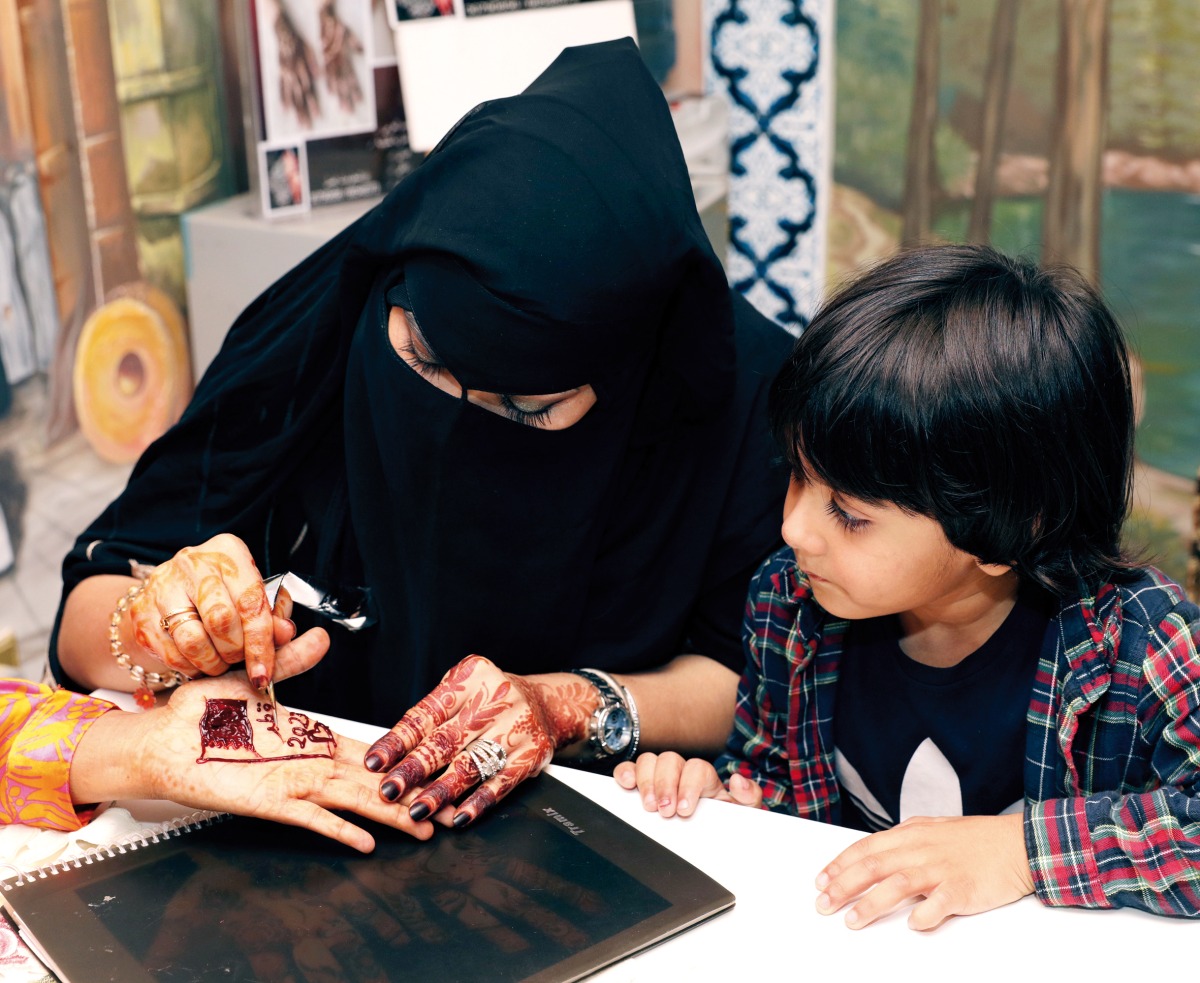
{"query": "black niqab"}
(551, 240)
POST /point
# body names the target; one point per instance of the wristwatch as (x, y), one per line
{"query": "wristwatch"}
(614, 728)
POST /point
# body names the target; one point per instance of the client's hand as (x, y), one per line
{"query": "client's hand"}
(218, 744)
(673, 787)
(514, 724)
(212, 601)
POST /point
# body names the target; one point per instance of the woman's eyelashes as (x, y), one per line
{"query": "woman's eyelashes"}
(537, 417)
(851, 523)
(420, 361)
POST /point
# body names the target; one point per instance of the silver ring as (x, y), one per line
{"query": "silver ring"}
(488, 757)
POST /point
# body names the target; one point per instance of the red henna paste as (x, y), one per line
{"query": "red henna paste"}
(225, 725)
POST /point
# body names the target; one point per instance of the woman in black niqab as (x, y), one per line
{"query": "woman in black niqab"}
(550, 242)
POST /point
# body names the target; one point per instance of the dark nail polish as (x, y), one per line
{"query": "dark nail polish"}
(461, 819)
(389, 790)
(374, 762)
(418, 811)
(260, 682)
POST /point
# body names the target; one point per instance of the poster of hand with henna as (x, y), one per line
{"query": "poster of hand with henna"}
(341, 50)
(315, 75)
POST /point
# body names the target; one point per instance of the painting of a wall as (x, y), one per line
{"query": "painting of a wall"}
(111, 126)
(1057, 130)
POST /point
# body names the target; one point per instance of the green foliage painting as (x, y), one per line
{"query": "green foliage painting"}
(1118, 143)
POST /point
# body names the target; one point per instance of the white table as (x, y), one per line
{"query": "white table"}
(769, 862)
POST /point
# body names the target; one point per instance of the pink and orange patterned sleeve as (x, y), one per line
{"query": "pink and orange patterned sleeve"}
(40, 728)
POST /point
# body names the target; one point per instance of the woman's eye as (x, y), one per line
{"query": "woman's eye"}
(531, 418)
(420, 362)
(851, 523)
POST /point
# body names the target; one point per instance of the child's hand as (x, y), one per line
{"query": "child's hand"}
(673, 786)
(959, 865)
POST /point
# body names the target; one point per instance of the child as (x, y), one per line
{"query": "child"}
(954, 631)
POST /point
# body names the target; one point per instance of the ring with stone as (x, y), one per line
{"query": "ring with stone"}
(176, 618)
(488, 757)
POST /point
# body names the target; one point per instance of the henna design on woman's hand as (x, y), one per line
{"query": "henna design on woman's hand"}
(566, 707)
(429, 714)
(474, 700)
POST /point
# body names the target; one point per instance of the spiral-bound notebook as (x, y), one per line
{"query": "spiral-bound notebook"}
(550, 886)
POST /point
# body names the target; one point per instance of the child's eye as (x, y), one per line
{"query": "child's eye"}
(851, 523)
(416, 360)
(531, 418)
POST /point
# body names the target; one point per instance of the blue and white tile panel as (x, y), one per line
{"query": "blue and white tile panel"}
(773, 61)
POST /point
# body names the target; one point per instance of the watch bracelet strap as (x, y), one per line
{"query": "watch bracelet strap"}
(610, 689)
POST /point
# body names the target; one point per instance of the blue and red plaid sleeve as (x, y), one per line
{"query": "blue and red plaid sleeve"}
(757, 746)
(1137, 849)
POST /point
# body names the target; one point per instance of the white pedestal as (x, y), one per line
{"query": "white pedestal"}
(232, 254)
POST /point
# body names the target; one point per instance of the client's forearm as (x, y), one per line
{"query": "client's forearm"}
(112, 760)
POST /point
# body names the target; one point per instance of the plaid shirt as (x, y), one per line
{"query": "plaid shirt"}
(1112, 760)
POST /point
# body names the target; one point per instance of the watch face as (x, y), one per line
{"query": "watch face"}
(615, 730)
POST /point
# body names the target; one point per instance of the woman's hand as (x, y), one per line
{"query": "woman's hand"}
(673, 787)
(218, 744)
(212, 600)
(528, 717)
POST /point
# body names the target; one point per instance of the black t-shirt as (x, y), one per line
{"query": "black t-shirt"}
(918, 740)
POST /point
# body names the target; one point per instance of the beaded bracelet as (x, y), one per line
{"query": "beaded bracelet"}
(143, 677)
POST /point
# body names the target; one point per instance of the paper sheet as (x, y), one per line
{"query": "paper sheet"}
(448, 65)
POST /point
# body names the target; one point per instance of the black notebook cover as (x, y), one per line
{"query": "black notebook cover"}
(549, 886)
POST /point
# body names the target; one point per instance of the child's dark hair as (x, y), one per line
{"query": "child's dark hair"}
(980, 391)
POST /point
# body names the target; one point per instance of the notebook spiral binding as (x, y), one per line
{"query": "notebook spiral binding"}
(175, 827)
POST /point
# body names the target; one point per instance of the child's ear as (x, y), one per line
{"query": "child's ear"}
(994, 569)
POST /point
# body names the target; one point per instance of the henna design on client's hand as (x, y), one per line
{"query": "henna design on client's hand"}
(226, 727)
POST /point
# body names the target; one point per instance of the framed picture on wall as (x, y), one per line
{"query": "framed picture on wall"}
(314, 66)
(323, 84)
(283, 178)
(402, 10)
